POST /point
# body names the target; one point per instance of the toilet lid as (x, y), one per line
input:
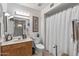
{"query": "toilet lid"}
(40, 46)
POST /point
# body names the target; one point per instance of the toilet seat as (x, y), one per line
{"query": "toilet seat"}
(40, 46)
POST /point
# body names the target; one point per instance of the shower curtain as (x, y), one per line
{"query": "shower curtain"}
(75, 16)
(59, 31)
(47, 33)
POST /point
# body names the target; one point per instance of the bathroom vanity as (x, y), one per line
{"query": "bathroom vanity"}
(17, 48)
(15, 41)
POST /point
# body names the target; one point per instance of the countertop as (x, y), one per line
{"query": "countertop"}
(15, 41)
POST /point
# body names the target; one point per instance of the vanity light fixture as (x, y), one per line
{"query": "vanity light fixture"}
(19, 25)
(7, 14)
(22, 13)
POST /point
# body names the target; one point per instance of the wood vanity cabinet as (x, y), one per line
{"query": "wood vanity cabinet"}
(18, 49)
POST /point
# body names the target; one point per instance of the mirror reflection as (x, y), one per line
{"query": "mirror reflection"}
(15, 27)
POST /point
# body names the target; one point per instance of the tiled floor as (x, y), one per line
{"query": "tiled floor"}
(46, 53)
(42, 53)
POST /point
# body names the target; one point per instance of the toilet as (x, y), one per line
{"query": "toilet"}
(39, 46)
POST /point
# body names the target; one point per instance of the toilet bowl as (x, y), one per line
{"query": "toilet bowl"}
(38, 44)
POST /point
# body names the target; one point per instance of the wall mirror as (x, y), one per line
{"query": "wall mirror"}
(15, 26)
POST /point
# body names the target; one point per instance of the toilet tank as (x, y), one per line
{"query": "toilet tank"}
(37, 40)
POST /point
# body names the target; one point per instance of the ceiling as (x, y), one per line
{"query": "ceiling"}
(37, 6)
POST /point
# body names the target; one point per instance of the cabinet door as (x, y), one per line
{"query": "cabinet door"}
(24, 51)
(20, 49)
